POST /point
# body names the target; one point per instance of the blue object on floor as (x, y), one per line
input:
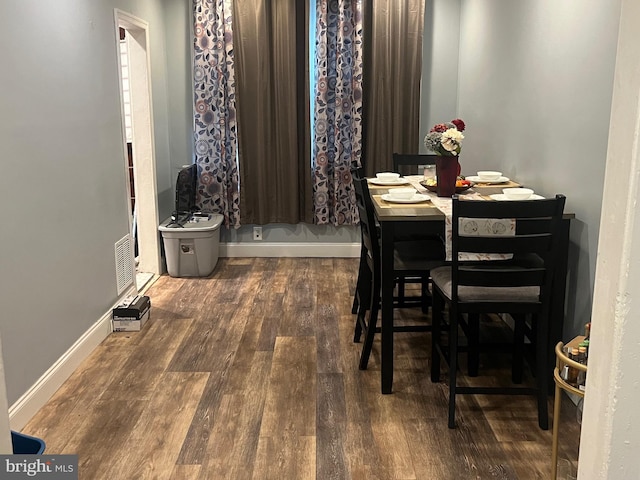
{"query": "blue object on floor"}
(26, 445)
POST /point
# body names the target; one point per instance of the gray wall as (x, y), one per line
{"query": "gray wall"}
(534, 87)
(440, 59)
(179, 41)
(300, 233)
(63, 176)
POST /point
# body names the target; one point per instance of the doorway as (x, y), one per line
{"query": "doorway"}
(135, 88)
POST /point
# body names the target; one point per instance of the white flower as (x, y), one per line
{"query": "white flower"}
(451, 139)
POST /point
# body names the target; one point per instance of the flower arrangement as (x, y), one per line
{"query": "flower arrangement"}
(446, 138)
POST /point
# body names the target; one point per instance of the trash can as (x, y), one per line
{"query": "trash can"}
(26, 445)
(191, 246)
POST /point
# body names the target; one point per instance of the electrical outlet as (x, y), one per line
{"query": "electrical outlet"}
(257, 233)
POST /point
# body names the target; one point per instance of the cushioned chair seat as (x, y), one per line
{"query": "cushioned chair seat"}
(442, 276)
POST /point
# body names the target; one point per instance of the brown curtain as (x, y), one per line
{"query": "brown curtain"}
(392, 72)
(271, 42)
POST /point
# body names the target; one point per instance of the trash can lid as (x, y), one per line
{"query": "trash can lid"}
(195, 223)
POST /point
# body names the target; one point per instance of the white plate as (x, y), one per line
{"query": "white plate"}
(476, 179)
(503, 197)
(388, 183)
(417, 198)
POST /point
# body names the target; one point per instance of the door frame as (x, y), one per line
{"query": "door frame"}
(144, 164)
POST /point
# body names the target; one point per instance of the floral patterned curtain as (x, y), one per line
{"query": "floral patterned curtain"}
(337, 109)
(215, 110)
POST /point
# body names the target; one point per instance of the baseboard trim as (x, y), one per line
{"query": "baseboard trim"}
(281, 249)
(40, 392)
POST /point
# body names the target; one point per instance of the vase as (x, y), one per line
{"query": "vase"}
(447, 168)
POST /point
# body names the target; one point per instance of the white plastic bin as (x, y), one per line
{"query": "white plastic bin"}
(192, 248)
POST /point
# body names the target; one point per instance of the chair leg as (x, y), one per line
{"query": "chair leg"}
(426, 299)
(371, 325)
(360, 321)
(518, 348)
(361, 284)
(453, 364)
(363, 299)
(542, 371)
(436, 329)
(357, 331)
(401, 298)
(473, 346)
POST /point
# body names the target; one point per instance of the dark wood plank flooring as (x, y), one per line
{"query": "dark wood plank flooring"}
(251, 373)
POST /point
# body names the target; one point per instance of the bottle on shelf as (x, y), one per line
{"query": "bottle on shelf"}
(572, 372)
(564, 374)
(581, 379)
(587, 334)
(587, 330)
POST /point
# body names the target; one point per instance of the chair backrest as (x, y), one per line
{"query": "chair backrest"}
(407, 164)
(367, 213)
(535, 244)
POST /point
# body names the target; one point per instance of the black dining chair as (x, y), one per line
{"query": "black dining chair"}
(407, 163)
(432, 243)
(411, 261)
(520, 286)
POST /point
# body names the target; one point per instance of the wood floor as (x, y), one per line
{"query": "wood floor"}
(251, 373)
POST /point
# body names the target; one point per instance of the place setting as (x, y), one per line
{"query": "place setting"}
(388, 179)
(488, 177)
(405, 195)
(511, 194)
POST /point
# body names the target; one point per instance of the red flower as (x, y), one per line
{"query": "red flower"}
(459, 124)
(440, 128)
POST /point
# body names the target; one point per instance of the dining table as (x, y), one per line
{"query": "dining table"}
(429, 217)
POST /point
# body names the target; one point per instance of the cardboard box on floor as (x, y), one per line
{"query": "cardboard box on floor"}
(131, 314)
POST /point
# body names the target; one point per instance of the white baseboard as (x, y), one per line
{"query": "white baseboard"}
(282, 249)
(40, 392)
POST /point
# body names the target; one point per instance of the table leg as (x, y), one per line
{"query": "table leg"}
(559, 290)
(386, 327)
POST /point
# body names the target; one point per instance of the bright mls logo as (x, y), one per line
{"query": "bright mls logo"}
(51, 467)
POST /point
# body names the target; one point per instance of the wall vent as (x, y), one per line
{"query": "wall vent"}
(124, 263)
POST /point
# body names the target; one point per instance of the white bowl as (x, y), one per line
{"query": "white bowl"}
(489, 175)
(517, 193)
(402, 193)
(387, 176)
